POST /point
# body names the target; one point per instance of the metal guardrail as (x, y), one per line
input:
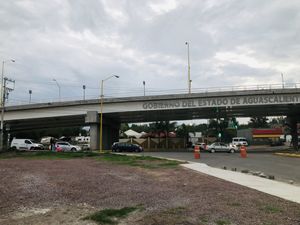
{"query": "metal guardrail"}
(152, 92)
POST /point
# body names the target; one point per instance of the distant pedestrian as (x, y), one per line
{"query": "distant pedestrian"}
(52, 146)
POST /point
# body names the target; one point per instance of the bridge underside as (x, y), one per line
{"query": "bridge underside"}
(45, 123)
(206, 113)
(151, 116)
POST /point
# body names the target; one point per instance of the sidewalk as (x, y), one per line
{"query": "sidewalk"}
(279, 189)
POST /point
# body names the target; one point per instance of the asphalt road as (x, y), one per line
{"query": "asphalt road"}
(283, 168)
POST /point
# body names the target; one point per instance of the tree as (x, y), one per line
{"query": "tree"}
(183, 132)
(258, 122)
(124, 127)
(277, 122)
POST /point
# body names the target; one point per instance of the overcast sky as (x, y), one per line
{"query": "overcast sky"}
(81, 42)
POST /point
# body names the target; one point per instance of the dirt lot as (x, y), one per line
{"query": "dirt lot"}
(56, 191)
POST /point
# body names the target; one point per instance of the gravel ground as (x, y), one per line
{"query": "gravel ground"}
(64, 191)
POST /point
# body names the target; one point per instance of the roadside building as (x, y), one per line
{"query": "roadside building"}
(261, 136)
(266, 136)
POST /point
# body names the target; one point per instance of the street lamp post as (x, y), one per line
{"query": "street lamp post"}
(83, 87)
(144, 83)
(282, 80)
(3, 102)
(30, 93)
(101, 110)
(58, 89)
(189, 67)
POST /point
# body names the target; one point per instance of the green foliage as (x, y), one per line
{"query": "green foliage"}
(110, 216)
(271, 209)
(124, 127)
(259, 122)
(222, 222)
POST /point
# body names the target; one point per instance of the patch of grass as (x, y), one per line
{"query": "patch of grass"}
(268, 223)
(110, 216)
(146, 162)
(177, 210)
(204, 220)
(271, 209)
(222, 222)
(235, 204)
(47, 155)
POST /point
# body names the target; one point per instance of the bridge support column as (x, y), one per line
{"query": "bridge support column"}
(92, 119)
(110, 131)
(292, 121)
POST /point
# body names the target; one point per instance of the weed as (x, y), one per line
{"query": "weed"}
(222, 222)
(204, 220)
(177, 210)
(109, 216)
(271, 209)
(235, 204)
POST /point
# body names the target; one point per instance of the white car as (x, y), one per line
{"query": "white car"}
(66, 147)
(25, 144)
(222, 147)
(239, 141)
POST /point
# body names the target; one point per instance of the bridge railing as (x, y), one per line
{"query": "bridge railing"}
(153, 92)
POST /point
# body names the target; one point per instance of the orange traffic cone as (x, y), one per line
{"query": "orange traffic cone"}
(197, 152)
(243, 151)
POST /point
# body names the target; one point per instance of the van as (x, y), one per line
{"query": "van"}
(25, 144)
(239, 141)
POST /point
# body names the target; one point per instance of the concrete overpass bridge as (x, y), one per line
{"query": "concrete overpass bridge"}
(268, 102)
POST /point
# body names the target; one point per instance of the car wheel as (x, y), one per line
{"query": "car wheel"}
(212, 150)
(32, 148)
(232, 151)
(73, 149)
(14, 148)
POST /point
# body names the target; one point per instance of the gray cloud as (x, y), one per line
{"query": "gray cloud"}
(80, 42)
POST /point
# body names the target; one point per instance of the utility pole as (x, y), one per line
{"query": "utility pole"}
(6, 91)
(2, 103)
(144, 83)
(189, 68)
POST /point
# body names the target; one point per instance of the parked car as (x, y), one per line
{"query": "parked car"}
(222, 147)
(239, 141)
(126, 147)
(25, 144)
(202, 145)
(66, 147)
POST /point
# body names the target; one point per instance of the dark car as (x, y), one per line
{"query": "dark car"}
(126, 147)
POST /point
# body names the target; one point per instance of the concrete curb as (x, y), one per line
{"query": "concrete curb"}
(294, 155)
(275, 188)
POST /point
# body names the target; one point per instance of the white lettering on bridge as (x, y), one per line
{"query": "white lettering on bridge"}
(223, 101)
